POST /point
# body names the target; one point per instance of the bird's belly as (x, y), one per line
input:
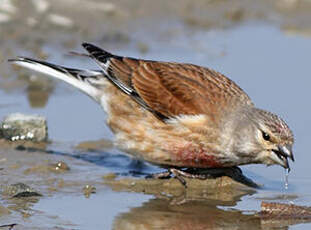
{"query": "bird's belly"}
(187, 154)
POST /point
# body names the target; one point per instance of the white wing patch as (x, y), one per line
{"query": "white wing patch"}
(194, 121)
(105, 66)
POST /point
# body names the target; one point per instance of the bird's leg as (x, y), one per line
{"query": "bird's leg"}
(179, 175)
(189, 174)
(161, 175)
(166, 175)
(196, 173)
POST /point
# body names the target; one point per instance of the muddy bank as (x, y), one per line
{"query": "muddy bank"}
(58, 18)
(27, 26)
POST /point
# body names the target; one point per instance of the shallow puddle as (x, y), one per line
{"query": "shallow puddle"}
(99, 211)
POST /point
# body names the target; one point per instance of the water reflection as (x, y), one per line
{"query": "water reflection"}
(158, 214)
(38, 96)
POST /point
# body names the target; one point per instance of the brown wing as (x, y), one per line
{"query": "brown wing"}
(171, 89)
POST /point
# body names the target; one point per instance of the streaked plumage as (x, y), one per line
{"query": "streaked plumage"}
(177, 115)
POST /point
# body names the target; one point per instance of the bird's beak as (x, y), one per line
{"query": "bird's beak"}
(286, 150)
(282, 153)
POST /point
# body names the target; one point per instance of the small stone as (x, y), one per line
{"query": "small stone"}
(59, 167)
(18, 126)
(19, 190)
(88, 190)
(133, 183)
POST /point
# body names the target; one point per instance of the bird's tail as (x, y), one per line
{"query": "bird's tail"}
(85, 80)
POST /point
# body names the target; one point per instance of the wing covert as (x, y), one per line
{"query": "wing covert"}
(171, 89)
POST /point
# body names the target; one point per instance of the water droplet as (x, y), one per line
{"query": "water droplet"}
(286, 178)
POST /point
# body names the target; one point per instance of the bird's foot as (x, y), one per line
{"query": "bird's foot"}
(179, 175)
(196, 173)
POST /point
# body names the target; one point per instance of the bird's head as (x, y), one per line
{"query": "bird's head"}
(265, 137)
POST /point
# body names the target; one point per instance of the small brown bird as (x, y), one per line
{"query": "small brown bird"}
(177, 115)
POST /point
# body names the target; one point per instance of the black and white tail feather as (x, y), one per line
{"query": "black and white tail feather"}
(85, 80)
(88, 81)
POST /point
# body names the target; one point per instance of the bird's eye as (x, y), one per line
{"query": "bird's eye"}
(266, 136)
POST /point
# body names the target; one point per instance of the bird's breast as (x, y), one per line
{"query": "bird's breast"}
(192, 155)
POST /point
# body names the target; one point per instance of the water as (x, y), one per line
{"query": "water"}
(97, 212)
(286, 184)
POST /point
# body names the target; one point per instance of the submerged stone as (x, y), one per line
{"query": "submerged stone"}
(59, 167)
(19, 190)
(19, 126)
(88, 190)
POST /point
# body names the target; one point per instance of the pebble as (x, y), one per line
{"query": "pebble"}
(59, 167)
(88, 190)
(19, 190)
(18, 126)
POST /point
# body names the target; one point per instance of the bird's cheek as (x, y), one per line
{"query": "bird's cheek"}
(264, 157)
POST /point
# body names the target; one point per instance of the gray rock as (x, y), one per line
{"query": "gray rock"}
(19, 190)
(19, 126)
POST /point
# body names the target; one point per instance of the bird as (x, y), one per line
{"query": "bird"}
(176, 115)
